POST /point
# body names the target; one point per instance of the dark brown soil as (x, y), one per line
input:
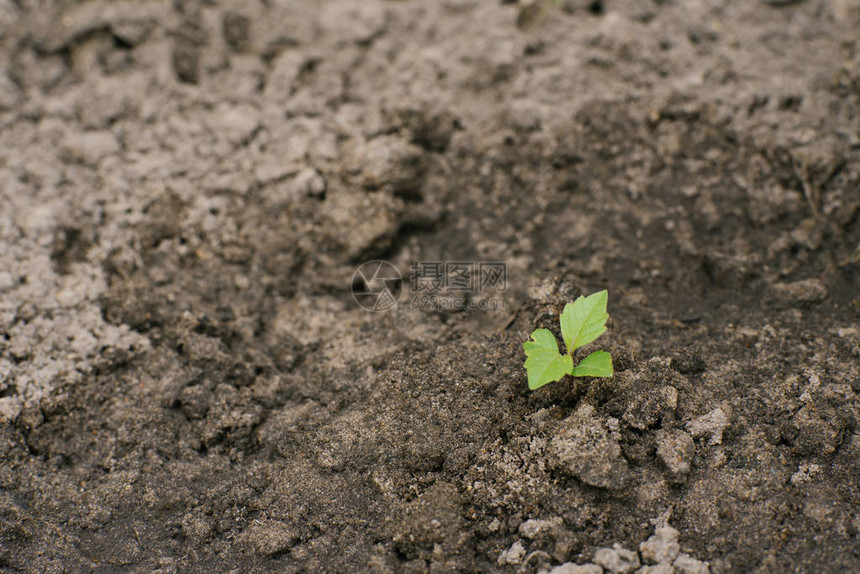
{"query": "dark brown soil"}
(187, 384)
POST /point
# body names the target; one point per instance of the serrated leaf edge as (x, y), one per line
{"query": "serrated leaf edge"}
(572, 345)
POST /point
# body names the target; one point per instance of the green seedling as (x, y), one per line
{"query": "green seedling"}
(582, 322)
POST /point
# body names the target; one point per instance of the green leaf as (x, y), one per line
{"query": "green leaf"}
(597, 364)
(544, 363)
(584, 320)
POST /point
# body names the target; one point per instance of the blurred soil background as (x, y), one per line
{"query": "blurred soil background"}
(187, 188)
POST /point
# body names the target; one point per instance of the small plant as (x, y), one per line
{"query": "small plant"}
(582, 322)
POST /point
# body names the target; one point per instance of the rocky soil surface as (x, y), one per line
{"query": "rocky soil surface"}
(187, 189)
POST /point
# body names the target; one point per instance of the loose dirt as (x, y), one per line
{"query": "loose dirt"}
(187, 384)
